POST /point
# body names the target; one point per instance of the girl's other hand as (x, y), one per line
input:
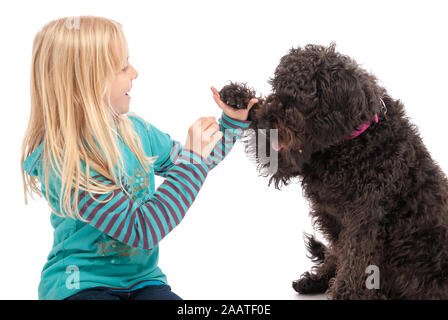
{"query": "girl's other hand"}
(203, 136)
(237, 114)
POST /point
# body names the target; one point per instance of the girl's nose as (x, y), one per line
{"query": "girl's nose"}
(135, 73)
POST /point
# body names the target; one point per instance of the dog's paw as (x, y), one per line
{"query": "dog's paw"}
(237, 95)
(310, 283)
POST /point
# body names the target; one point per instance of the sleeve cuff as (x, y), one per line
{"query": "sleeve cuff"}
(234, 123)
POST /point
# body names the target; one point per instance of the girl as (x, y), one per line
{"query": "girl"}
(81, 138)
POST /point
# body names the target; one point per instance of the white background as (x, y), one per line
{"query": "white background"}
(240, 239)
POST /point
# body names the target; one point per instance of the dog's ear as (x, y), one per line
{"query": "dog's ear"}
(346, 98)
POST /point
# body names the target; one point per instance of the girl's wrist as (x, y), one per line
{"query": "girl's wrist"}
(235, 122)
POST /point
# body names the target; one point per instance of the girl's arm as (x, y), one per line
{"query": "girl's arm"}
(232, 130)
(143, 225)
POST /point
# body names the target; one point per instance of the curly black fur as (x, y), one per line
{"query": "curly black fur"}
(237, 95)
(379, 199)
(315, 248)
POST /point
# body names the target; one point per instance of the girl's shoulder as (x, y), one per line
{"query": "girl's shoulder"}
(138, 121)
(148, 130)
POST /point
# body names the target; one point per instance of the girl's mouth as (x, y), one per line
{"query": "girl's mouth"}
(127, 93)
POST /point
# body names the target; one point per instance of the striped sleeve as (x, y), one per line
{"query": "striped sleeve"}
(164, 147)
(232, 130)
(168, 149)
(167, 162)
(143, 225)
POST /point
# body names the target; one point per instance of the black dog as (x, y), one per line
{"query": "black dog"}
(376, 194)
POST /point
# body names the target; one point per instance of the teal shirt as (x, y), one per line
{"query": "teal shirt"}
(117, 247)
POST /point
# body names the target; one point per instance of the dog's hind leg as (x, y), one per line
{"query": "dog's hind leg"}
(317, 280)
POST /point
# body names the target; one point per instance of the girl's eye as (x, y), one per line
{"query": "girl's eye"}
(125, 68)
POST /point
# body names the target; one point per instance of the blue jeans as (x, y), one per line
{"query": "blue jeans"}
(150, 292)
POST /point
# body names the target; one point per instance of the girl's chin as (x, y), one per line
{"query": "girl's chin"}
(123, 109)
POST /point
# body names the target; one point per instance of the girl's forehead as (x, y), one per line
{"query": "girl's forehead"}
(121, 46)
(122, 52)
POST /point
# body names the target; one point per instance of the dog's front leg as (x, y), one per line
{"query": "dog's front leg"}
(237, 95)
(359, 258)
(351, 279)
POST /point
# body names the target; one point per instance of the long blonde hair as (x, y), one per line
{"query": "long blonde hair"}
(73, 66)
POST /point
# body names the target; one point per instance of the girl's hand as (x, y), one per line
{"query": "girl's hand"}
(237, 114)
(203, 136)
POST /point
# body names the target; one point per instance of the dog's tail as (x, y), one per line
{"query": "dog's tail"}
(315, 248)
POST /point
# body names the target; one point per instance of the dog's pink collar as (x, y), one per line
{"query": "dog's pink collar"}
(363, 127)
